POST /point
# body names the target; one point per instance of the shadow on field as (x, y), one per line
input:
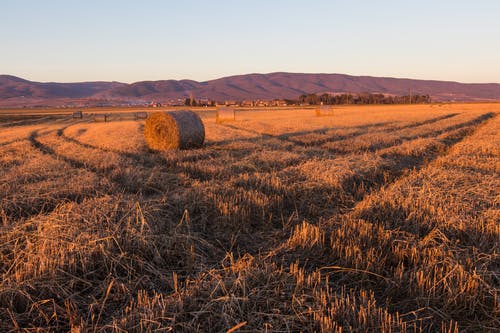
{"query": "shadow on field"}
(3, 144)
(46, 150)
(231, 189)
(249, 202)
(422, 123)
(118, 181)
(359, 131)
(289, 136)
(179, 238)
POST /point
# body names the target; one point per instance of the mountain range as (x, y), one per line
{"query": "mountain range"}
(18, 92)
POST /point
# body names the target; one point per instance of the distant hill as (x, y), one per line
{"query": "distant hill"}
(11, 86)
(15, 91)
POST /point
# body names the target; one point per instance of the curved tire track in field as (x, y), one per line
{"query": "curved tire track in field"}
(139, 158)
(122, 185)
(112, 183)
(25, 209)
(3, 144)
(46, 150)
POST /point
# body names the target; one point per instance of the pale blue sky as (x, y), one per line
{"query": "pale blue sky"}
(128, 41)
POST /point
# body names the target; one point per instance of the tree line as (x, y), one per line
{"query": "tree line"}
(336, 99)
(364, 98)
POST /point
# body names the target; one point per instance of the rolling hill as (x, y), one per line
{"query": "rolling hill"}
(15, 91)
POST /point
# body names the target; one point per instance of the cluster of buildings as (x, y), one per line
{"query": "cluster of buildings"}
(208, 102)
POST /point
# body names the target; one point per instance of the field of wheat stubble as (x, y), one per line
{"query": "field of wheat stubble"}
(380, 218)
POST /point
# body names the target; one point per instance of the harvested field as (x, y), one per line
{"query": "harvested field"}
(379, 218)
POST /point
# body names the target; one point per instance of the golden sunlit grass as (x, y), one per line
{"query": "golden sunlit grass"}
(379, 218)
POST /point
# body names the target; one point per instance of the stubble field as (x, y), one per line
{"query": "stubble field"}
(380, 218)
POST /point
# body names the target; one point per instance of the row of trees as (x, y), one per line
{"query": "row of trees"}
(327, 99)
(365, 98)
(194, 102)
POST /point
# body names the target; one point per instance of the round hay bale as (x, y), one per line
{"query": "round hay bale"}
(224, 114)
(100, 118)
(174, 130)
(77, 115)
(324, 110)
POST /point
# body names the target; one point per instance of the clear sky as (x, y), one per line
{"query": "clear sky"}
(128, 41)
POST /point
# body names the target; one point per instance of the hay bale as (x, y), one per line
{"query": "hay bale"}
(77, 115)
(174, 130)
(324, 111)
(224, 113)
(101, 118)
(141, 115)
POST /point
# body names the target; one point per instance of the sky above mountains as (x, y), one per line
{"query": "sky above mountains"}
(128, 41)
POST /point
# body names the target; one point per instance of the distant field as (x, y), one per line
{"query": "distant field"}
(375, 219)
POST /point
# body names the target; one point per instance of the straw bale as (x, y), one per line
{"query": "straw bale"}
(174, 130)
(225, 114)
(324, 110)
(99, 118)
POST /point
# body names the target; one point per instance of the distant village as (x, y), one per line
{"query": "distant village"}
(205, 102)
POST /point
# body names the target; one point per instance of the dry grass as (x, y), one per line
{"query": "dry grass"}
(375, 219)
